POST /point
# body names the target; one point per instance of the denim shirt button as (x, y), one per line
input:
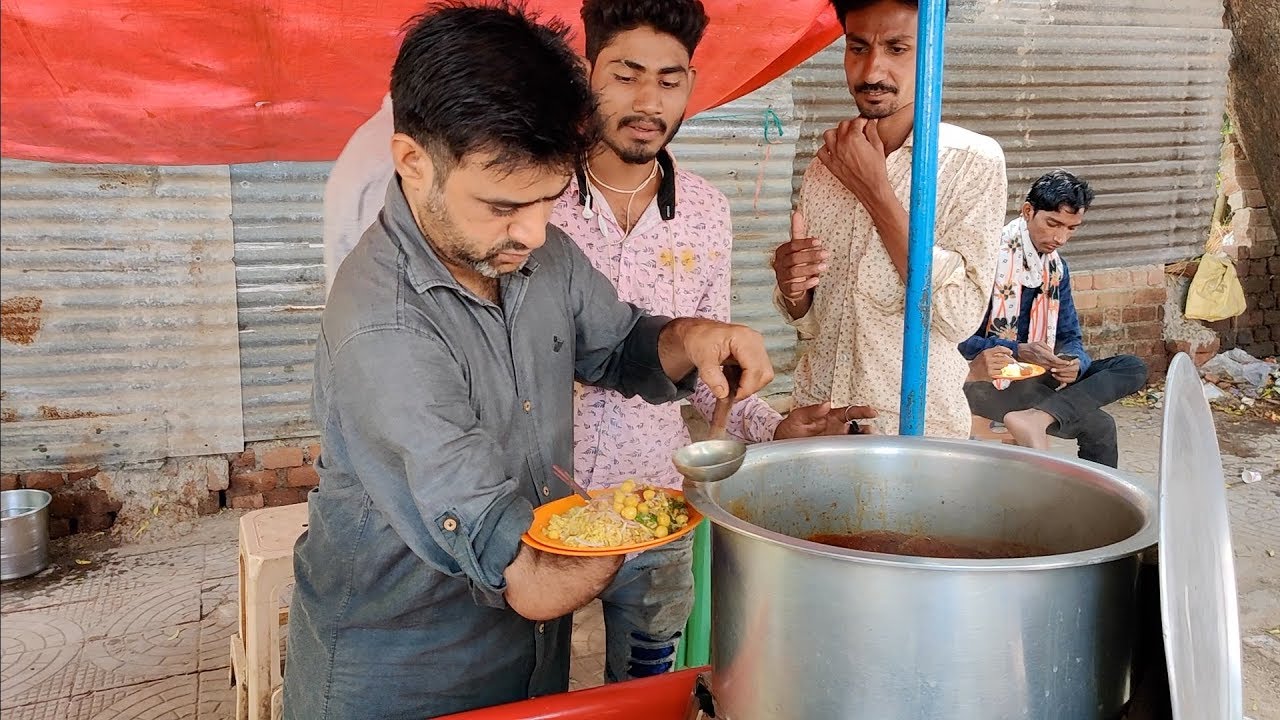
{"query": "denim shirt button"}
(528, 406)
(450, 524)
(545, 491)
(542, 627)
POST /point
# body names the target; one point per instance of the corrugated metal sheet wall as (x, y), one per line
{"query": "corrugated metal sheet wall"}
(747, 149)
(276, 214)
(119, 312)
(1127, 93)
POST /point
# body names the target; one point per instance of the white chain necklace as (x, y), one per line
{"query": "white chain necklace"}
(631, 194)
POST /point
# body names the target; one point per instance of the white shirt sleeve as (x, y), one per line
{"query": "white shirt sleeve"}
(357, 184)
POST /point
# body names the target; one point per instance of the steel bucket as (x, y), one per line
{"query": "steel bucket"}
(807, 631)
(24, 532)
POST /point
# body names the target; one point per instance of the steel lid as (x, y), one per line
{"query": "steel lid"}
(1197, 570)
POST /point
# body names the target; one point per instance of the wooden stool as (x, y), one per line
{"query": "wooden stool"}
(266, 568)
(980, 429)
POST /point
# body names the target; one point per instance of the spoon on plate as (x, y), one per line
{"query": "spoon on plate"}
(567, 479)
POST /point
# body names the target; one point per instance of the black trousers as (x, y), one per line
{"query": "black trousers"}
(1077, 408)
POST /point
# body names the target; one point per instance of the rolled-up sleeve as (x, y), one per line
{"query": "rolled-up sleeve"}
(417, 447)
(616, 342)
(806, 325)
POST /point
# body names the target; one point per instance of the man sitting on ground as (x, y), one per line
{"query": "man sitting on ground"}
(1032, 318)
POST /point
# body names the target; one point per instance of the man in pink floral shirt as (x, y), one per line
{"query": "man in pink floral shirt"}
(663, 236)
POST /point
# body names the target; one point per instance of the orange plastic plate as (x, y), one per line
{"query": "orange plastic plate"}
(542, 515)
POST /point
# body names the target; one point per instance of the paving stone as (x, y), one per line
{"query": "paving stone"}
(586, 665)
(174, 698)
(221, 559)
(153, 654)
(37, 657)
(588, 630)
(100, 663)
(117, 614)
(219, 620)
(59, 709)
(108, 573)
(216, 699)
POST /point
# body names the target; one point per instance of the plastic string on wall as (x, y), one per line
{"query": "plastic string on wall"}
(771, 134)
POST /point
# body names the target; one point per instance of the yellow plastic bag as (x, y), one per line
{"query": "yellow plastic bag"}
(1215, 292)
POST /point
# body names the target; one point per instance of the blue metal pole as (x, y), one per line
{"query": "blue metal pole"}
(924, 193)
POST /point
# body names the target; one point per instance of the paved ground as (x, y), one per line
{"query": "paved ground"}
(140, 631)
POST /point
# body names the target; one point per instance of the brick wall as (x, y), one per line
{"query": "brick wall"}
(1257, 331)
(79, 504)
(163, 492)
(1257, 255)
(1122, 313)
(272, 473)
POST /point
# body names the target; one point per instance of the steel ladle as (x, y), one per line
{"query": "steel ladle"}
(715, 459)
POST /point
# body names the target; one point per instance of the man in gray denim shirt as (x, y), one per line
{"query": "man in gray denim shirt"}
(443, 390)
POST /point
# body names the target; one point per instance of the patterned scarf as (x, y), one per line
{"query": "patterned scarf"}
(1021, 265)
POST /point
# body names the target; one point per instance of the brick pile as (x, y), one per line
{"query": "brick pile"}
(272, 474)
(1257, 257)
(79, 505)
(1122, 313)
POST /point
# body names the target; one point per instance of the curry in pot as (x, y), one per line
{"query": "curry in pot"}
(924, 545)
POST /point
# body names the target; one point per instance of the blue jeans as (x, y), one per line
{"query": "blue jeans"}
(1076, 409)
(645, 610)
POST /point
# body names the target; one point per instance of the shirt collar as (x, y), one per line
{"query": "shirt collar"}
(425, 268)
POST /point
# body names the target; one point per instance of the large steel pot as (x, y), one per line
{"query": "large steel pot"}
(804, 631)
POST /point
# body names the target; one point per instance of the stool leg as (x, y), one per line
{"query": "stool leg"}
(698, 631)
(242, 702)
(236, 672)
(261, 619)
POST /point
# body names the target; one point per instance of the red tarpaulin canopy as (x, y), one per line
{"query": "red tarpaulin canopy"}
(179, 82)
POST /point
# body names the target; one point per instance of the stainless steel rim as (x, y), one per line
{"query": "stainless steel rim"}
(1131, 488)
(11, 499)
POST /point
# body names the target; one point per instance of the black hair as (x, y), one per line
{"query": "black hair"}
(844, 7)
(488, 76)
(604, 20)
(1054, 189)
